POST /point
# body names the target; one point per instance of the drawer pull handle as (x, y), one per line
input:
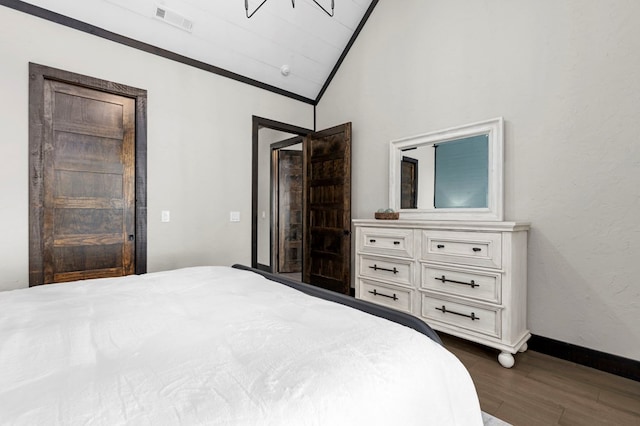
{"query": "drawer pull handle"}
(375, 293)
(377, 268)
(445, 311)
(440, 246)
(477, 249)
(444, 279)
(372, 241)
(397, 243)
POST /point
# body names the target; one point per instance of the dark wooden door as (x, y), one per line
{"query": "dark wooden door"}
(409, 183)
(88, 184)
(289, 211)
(327, 205)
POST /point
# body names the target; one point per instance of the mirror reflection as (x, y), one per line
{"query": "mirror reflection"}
(452, 174)
(460, 177)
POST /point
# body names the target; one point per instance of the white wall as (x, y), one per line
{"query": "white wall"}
(199, 144)
(564, 75)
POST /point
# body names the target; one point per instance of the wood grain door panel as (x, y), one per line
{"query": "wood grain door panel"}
(327, 227)
(290, 211)
(87, 146)
(88, 182)
(409, 183)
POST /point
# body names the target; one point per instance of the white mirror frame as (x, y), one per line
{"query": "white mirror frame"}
(494, 212)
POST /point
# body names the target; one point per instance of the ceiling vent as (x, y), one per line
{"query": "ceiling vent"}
(173, 18)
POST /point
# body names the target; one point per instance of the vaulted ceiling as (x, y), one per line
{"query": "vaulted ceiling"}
(292, 50)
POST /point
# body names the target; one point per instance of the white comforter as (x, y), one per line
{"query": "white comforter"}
(215, 345)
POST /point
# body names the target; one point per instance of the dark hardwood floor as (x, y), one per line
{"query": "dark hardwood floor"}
(543, 390)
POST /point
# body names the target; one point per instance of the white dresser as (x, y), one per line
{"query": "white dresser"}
(467, 279)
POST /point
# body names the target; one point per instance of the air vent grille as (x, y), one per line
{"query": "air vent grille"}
(173, 18)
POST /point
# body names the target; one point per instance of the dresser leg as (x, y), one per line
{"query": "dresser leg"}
(523, 348)
(506, 359)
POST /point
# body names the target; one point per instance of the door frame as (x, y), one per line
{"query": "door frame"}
(257, 123)
(37, 76)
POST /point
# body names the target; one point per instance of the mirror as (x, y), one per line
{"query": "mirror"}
(451, 174)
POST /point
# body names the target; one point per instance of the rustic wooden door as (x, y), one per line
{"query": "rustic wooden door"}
(327, 209)
(409, 183)
(289, 211)
(88, 223)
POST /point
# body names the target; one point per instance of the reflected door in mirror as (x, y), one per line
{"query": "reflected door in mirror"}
(409, 183)
(457, 175)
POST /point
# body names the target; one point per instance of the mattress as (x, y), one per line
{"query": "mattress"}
(216, 346)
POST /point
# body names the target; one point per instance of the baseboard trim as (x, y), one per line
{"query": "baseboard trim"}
(603, 361)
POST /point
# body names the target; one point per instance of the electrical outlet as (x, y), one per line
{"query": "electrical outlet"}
(234, 217)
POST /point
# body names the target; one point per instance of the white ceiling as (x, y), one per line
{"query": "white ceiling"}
(303, 38)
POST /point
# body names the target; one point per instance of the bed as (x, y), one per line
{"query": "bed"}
(220, 345)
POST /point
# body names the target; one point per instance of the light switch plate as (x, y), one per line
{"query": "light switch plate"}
(234, 217)
(166, 216)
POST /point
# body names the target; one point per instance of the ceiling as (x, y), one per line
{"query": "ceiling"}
(218, 34)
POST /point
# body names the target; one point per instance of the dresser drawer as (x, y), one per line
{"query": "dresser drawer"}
(394, 270)
(464, 248)
(386, 294)
(388, 241)
(462, 282)
(456, 313)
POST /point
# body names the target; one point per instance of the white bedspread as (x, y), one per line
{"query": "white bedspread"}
(215, 345)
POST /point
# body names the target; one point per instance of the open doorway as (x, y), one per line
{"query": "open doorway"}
(278, 216)
(326, 202)
(280, 203)
(287, 218)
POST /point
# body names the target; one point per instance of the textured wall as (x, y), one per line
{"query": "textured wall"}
(564, 75)
(199, 144)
